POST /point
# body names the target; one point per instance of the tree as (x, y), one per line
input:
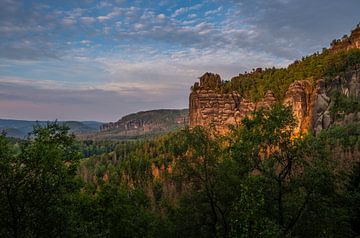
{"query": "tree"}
(205, 182)
(295, 186)
(36, 185)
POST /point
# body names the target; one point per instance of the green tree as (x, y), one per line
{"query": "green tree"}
(203, 175)
(37, 185)
(295, 185)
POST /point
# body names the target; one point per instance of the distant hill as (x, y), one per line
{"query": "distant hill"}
(21, 128)
(133, 126)
(142, 124)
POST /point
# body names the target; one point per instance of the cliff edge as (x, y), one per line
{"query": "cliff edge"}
(324, 91)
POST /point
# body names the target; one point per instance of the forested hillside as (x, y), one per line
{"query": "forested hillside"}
(257, 181)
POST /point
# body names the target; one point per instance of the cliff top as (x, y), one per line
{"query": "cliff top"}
(210, 80)
(347, 42)
(343, 55)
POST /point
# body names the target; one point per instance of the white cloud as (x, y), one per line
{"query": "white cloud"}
(138, 26)
(114, 13)
(179, 12)
(103, 18)
(68, 21)
(161, 16)
(104, 4)
(145, 58)
(85, 42)
(87, 20)
(212, 12)
(192, 15)
(183, 10)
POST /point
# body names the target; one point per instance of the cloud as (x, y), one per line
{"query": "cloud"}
(114, 13)
(19, 99)
(182, 10)
(298, 26)
(193, 15)
(161, 16)
(103, 59)
(158, 81)
(179, 12)
(68, 21)
(212, 12)
(87, 20)
(85, 42)
(138, 26)
(29, 50)
(103, 18)
(104, 4)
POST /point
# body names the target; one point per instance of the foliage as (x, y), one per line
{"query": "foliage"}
(257, 181)
(343, 104)
(255, 84)
(36, 184)
(347, 136)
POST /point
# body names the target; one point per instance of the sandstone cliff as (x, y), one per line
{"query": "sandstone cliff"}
(311, 104)
(209, 107)
(315, 102)
(347, 42)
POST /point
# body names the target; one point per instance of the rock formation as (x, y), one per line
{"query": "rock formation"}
(348, 85)
(311, 104)
(300, 97)
(209, 107)
(347, 42)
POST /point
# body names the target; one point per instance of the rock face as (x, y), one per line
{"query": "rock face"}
(311, 105)
(348, 85)
(209, 107)
(300, 97)
(347, 42)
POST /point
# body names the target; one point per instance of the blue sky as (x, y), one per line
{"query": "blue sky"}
(100, 60)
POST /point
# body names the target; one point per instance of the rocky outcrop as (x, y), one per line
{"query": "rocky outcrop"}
(347, 42)
(348, 85)
(311, 105)
(209, 107)
(300, 97)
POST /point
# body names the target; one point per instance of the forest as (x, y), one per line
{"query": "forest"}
(256, 181)
(325, 65)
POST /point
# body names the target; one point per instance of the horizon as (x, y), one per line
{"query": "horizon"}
(104, 122)
(101, 60)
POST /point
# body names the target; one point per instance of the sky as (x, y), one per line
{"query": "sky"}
(100, 60)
